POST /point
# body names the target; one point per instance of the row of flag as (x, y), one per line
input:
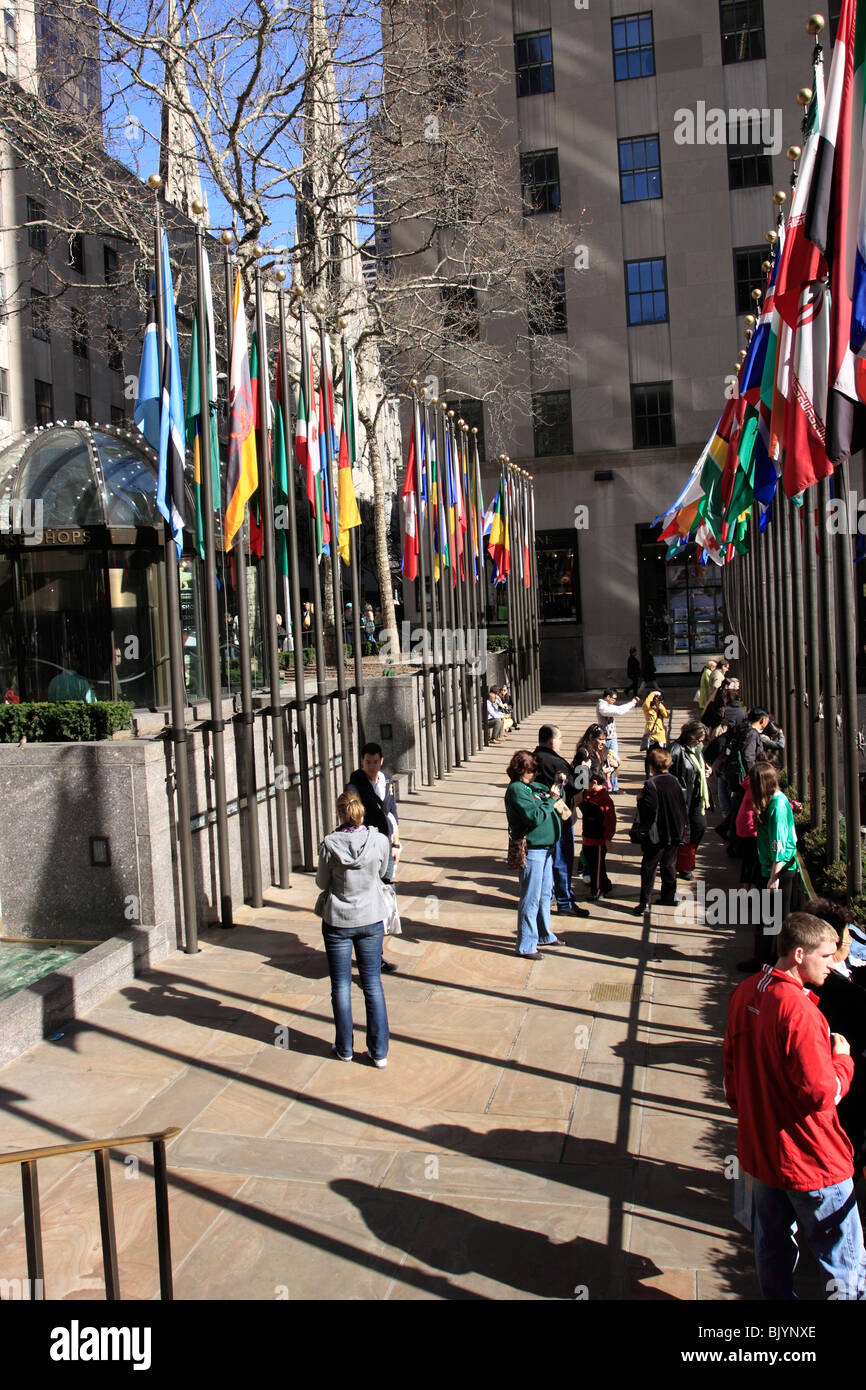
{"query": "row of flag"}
(170, 426)
(797, 408)
(444, 471)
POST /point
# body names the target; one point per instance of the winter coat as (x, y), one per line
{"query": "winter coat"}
(599, 817)
(376, 812)
(783, 1084)
(661, 803)
(530, 811)
(352, 864)
(550, 767)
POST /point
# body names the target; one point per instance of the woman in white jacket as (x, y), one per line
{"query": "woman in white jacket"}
(605, 712)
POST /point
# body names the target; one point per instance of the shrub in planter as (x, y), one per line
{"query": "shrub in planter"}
(66, 721)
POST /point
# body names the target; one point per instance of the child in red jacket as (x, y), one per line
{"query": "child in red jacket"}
(599, 828)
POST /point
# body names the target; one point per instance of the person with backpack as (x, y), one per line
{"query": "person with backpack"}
(687, 765)
(743, 748)
(599, 828)
(659, 828)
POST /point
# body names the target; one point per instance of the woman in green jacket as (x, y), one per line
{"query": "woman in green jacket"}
(777, 852)
(534, 813)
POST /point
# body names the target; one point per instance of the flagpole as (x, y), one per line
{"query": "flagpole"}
(480, 597)
(357, 650)
(776, 638)
(847, 609)
(799, 676)
(792, 751)
(524, 591)
(450, 607)
(459, 589)
(434, 604)
(295, 591)
(813, 670)
(268, 564)
(472, 591)
(829, 665)
(339, 648)
(422, 578)
(248, 787)
(323, 722)
(177, 732)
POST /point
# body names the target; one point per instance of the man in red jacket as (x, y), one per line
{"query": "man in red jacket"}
(784, 1076)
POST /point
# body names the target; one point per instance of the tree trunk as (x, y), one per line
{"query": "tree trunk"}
(383, 563)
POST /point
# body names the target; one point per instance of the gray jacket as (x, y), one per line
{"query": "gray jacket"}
(352, 864)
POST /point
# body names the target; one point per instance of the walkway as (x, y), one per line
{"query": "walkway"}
(543, 1130)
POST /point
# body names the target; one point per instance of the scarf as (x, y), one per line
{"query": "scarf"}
(696, 758)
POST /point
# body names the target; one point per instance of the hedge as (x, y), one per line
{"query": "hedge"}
(829, 881)
(66, 721)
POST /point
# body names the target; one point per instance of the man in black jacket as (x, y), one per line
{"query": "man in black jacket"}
(744, 747)
(662, 817)
(556, 773)
(380, 807)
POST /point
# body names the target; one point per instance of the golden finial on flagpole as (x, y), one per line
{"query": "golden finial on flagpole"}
(814, 24)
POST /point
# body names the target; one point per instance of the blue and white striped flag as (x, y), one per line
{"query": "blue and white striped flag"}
(172, 426)
(147, 397)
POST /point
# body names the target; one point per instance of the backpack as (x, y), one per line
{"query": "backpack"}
(734, 767)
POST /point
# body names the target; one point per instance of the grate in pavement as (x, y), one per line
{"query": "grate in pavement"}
(616, 994)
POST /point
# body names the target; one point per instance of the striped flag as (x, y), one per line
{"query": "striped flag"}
(149, 390)
(169, 487)
(348, 515)
(242, 478)
(411, 546)
(201, 386)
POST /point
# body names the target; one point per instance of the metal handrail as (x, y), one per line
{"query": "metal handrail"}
(28, 1159)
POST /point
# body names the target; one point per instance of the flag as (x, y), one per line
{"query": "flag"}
(800, 262)
(280, 455)
(149, 392)
(169, 487)
(194, 410)
(257, 535)
(496, 529)
(242, 477)
(806, 460)
(437, 503)
(347, 506)
(478, 513)
(411, 547)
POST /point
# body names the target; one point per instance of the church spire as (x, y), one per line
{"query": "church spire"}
(178, 156)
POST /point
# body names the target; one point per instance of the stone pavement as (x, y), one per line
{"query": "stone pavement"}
(550, 1129)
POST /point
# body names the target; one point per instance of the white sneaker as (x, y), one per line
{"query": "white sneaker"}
(378, 1061)
(340, 1056)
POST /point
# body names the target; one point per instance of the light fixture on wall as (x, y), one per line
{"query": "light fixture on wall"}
(603, 475)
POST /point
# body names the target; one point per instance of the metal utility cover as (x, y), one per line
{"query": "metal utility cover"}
(616, 994)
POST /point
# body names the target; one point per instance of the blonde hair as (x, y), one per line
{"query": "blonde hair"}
(350, 809)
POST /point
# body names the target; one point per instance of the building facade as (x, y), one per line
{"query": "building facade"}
(659, 132)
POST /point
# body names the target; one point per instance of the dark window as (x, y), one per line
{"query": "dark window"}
(472, 411)
(460, 311)
(109, 261)
(115, 348)
(558, 576)
(545, 295)
(551, 423)
(80, 333)
(742, 30)
(37, 236)
(533, 61)
(44, 402)
(4, 393)
(76, 252)
(748, 275)
(640, 174)
(82, 408)
(748, 165)
(39, 315)
(646, 291)
(652, 415)
(118, 416)
(539, 180)
(633, 54)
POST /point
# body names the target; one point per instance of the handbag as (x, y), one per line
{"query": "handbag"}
(516, 858)
(391, 913)
(645, 836)
(685, 859)
(319, 904)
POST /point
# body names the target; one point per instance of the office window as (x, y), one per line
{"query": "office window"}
(461, 311)
(742, 30)
(640, 175)
(109, 261)
(37, 236)
(4, 394)
(748, 275)
(76, 252)
(533, 62)
(539, 181)
(114, 339)
(652, 415)
(545, 296)
(82, 408)
(39, 315)
(44, 402)
(80, 333)
(10, 37)
(118, 416)
(748, 166)
(633, 53)
(551, 423)
(646, 291)
(472, 411)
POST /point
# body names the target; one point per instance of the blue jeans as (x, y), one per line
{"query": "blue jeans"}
(613, 744)
(368, 953)
(830, 1224)
(533, 910)
(563, 867)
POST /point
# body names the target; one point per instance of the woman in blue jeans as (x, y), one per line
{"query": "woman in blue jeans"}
(534, 814)
(353, 861)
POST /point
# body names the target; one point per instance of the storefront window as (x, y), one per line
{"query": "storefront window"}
(558, 576)
(681, 607)
(64, 625)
